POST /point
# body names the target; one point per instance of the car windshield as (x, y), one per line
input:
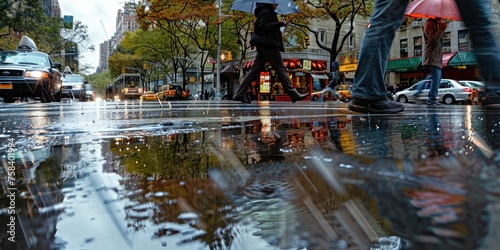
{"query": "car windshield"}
(24, 58)
(474, 84)
(464, 84)
(72, 78)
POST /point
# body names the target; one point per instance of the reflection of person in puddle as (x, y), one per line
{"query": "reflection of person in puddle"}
(434, 140)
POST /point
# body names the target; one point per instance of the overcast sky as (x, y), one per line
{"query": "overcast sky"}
(91, 13)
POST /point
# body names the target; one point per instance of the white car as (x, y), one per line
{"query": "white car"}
(73, 85)
(450, 91)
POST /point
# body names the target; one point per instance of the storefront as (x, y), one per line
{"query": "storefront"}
(407, 71)
(462, 66)
(348, 63)
(303, 74)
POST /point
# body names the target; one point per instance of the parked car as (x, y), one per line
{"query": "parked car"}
(73, 85)
(172, 92)
(345, 92)
(450, 91)
(89, 93)
(475, 85)
(149, 96)
(341, 92)
(27, 72)
(326, 94)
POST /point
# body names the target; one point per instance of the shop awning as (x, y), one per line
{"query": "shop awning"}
(446, 58)
(405, 64)
(319, 76)
(230, 69)
(463, 58)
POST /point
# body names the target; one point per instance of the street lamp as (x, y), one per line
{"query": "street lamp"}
(219, 27)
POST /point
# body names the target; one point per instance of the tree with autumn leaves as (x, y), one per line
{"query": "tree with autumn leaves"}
(340, 14)
(174, 33)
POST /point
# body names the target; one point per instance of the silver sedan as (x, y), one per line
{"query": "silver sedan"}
(450, 92)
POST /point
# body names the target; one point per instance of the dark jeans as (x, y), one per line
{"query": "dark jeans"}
(264, 54)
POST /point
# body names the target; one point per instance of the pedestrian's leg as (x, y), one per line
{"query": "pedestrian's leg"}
(386, 18)
(251, 76)
(368, 90)
(274, 57)
(435, 77)
(476, 16)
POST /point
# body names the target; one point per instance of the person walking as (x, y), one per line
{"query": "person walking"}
(268, 41)
(432, 57)
(474, 97)
(369, 91)
(334, 76)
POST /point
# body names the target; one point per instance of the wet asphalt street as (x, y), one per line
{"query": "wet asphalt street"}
(266, 175)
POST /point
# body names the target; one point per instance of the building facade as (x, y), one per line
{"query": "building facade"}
(126, 20)
(405, 68)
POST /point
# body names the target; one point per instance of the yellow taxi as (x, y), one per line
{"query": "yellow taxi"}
(149, 96)
(172, 92)
(345, 92)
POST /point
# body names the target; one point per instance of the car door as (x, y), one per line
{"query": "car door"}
(444, 89)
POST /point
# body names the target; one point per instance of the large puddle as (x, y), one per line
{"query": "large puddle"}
(332, 182)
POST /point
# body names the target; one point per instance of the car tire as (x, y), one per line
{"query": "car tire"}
(45, 95)
(8, 99)
(448, 99)
(58, 97)
(403, 99)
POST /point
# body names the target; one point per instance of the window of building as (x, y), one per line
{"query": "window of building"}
(403, 48)
(322, 36)
(352, 40)
(417, 46)
(463, 40)
(447, 42)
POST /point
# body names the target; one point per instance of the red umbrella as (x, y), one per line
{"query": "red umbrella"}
(445, 9)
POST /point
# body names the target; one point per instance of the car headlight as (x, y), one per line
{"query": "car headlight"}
(77, 87)
(36, 74)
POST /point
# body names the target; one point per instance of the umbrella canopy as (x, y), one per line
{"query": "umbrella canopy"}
(445, 9)
(284, 6)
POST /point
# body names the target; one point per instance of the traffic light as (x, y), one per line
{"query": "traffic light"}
(145, 66)
(123, 70)
(226, 56)
(306, 42)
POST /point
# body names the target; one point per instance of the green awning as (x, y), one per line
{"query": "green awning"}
(463, 58)
(403, 65)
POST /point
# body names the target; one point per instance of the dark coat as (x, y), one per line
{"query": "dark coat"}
(267, 27)
(433, 50)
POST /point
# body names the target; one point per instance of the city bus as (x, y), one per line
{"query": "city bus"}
(128, 86)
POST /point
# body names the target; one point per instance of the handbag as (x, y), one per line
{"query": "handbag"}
(256, 40)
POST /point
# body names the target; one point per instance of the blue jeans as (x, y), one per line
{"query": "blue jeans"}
(435, 77)
(475, 14)
(369, 80)
(387, 16)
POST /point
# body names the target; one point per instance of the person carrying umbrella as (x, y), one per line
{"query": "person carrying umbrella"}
(269, 44)
(369, 91)
(433, 58)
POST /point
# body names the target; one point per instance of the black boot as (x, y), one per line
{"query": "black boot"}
(298, 97)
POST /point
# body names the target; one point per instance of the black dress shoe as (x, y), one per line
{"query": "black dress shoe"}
(243, 100)
(300, 97)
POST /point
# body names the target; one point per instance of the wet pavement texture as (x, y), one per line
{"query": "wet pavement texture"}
(268, 175)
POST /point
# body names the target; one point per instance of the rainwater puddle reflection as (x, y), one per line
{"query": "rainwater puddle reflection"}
(326, 183)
